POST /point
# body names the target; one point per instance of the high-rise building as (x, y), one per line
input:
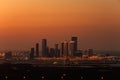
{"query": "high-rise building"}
(32, 53)
(56, 47)
(37, 49)
(44, 47)
(71, 48)
(52, 52)
(57, 50)
(47, 52)
(75, 40)
(61, 49)
(65, 52)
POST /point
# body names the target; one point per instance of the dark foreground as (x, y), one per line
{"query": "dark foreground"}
(30, 72)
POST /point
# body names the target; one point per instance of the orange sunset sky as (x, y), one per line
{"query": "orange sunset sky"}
(95, 22)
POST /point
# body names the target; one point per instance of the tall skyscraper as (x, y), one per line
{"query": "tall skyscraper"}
(61, 49)
(47, 51)
(32, 54)
(44, 47)
(71, 48)
(65, 52)
(75, 40)
(56, 50)
(37, 49)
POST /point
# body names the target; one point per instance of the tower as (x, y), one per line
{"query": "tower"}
(37, 49)
(61, 49)
(71, 48)
(75, 42)
(32, 53)
(65, 52)
(44, 47)
(56, 50)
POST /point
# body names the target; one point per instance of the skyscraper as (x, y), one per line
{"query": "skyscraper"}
(56, 46)
(37, 49)
(44, 47)
(61, 49)
(52, 52)
(56, 50)
(75, 40)
(47, 52)
(71, 48)
(65, 52)
(32, 53)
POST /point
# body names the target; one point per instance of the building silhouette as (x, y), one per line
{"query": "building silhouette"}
(64, 49)
(65, 52)
(85, 54)
(61, 49)
(57, 53)
(78, 53)
(47, 51)
(75, 39)
(37, 49)
(90, 52)
(71, 48)
(52, 52)
(32, 53)
(44, 47)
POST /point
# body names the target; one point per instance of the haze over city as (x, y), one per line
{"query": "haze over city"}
(25, 22)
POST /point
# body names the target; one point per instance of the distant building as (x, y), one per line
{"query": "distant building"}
(71, 48)
(47, 52)
(61, 49)
(78, 53)
(75, 39)
(85, 52)
(44, 47)
(52, 52)
(32, 53)
(8, 55)
(57, 53)
(37, 49)
(65, 52)
(90, 52)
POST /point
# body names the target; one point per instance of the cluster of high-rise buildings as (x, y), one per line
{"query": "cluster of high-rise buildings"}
(63, 49)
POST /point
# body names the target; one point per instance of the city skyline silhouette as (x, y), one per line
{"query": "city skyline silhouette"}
(60, 39)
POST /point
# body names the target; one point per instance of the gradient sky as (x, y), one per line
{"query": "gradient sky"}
(25, 22)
